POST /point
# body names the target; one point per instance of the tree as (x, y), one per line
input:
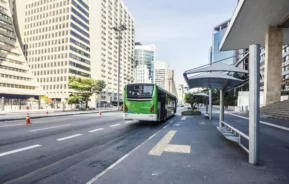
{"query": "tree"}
(74, 99)
(193, 100)
(85, 87)
(32, 100)
(45, 99)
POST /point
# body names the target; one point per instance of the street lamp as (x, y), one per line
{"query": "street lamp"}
(119, 29)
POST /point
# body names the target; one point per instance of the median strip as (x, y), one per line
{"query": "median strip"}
(19, 150)
(69, 137)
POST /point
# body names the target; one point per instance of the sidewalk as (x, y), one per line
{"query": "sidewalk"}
(191, 150)
(8, 116)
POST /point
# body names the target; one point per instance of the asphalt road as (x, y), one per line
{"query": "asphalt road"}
(69, 149)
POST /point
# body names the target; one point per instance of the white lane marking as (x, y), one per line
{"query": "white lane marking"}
(121, 159)
(176, 124)
(69, 137)
(165, 126)
(129, 122)
(19, 150)
(164, 146)
(262, 122)
(3, 126)
(152, 136)
(184, 118)
(202, 123)
(49, 128)
(96, 130)
(115, 125)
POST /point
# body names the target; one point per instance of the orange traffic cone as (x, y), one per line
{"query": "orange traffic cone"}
(27, 120)
(46, 112)
(100, 113)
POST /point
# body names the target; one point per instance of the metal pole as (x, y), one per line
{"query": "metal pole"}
(206, 106)
(221, 108)
(254, 103)
(2, 104)
(210, 104)
(118, 67)
(38, 103)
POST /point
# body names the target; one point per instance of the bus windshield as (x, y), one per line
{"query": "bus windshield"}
(140, 91)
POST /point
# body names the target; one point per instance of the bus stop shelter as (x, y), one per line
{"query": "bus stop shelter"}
(213, 76)
(258, 23)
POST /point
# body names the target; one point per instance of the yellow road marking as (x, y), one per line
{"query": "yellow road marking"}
(164, 145)
(178, 148)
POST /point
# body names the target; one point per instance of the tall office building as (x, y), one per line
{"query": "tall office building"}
(285, 70)
(227, 57)
(181, 93)
(17, 81)
(171, 82)
(104, 15)
(144, 57)
(56, 38)
(141, 74)
(161, 74)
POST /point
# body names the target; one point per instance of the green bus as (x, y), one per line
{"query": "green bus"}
(148, 102)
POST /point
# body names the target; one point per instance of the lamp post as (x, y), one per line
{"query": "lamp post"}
(119, 29)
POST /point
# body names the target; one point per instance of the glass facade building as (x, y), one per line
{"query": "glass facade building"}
(227, 57)
(145, 55)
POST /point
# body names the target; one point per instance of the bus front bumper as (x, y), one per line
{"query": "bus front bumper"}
(142, 117)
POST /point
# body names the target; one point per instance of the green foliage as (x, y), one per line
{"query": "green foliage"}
(216, 102)
(32, 100)
(192, 110)
(45, 99)
(193, 100)
(85, 87)
(74, 99)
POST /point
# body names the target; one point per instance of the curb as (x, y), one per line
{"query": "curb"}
(57, 115)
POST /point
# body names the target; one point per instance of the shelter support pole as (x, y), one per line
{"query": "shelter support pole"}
(254, 103)
(221, 108)
(210, 104)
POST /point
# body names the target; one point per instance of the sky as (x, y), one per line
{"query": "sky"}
(180, 29)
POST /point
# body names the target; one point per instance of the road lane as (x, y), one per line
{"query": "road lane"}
(69, 137)
(96, 130)
(114, 125)
(42, 129)
(69, 152)
(18, 134)
(19, 150)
